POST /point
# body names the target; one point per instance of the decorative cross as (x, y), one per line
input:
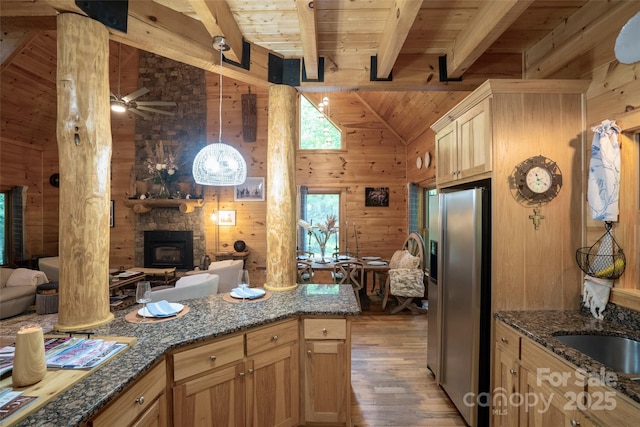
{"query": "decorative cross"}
(536, 218)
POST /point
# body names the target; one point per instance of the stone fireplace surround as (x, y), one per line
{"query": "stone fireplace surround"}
(168, 80)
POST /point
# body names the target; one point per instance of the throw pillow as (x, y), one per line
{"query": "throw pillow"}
(395, 259)
(26, 277)
(407, 282)
(409, 261)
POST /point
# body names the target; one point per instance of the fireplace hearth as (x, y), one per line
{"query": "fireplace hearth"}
(165, 249)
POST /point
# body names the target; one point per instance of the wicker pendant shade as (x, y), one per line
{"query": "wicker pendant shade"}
(219, 164)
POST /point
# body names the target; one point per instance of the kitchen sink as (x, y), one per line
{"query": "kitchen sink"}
(618, 353)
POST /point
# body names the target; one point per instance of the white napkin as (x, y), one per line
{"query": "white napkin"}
(161, 309)
(595, 295)
(249, 293)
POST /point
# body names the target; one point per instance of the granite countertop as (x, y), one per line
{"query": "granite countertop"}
(541, 326)
(207, 318)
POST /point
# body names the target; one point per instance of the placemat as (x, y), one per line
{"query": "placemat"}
(228, 298)
(134, 317)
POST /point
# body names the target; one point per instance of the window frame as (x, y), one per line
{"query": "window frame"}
(342, 147)
(342, 212)
(7, 228)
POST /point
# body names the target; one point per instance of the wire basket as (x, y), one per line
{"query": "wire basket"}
(605, 259)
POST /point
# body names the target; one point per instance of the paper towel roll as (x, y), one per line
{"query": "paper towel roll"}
(29, 365)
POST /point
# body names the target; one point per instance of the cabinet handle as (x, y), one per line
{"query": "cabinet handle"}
(324, 331)
(212, 357)
(241, 374)
(453, 173)
(309, 352)
(575, 423)
(274, 338)
(251, 371)
(512, 371)
(504, 340)
(140, 400)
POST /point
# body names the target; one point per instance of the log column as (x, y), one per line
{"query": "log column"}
(84, 150)
(281, 190)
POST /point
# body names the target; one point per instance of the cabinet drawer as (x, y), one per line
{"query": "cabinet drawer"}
(200, 359)
(136, 400)
(550, 370)
(272, 336)
(325, 329)
(508, 339)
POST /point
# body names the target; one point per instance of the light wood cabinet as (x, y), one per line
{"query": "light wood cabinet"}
(484, 137)
(143, 404)
(506, 376)
(327, 371)
(219, 384)
(463, 147)
(549, 391)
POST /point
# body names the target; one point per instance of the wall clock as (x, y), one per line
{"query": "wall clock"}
(536, 181)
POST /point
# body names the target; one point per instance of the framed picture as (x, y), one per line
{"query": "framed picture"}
(111, 218)
(252, 190)
(226, 217)
(376, 196)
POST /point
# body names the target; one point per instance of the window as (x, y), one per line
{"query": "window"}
(315, 206)
(317, 131)
(4, 227)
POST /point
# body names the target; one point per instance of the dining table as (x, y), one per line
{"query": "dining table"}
(371, 264)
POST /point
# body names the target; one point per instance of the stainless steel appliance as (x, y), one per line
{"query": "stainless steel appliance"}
(433, 346)
(464, 300)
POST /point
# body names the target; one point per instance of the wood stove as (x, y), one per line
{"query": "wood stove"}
(165, 249)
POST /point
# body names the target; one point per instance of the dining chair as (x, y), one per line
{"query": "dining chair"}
(349, 272)
(305, 272)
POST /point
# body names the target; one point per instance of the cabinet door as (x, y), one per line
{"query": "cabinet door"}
(216, 399)
(553, 406)
(474, 140)
(446, 154)
(155, 416)
(325, 382)
(273, 388)
(506, 380)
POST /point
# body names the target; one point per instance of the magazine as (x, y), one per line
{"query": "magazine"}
(84, 354)
(12, 401)
(51, 346)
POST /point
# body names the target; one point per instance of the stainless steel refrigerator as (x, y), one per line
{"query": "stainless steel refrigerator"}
(464, 300)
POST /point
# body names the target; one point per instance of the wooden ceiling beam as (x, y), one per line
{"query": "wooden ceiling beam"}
(492, 19)
(309, 35)
(219, 21)
(379, 117)
(396, 30)
(576, 37)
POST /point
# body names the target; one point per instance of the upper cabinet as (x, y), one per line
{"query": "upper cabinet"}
(533, 243)
(463, 147)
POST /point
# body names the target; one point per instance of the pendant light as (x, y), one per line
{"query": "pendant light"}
(219, 164)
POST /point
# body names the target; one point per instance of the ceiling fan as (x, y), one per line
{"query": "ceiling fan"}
(120, 103)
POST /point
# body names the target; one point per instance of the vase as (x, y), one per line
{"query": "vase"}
(322, 260)
(164, 191)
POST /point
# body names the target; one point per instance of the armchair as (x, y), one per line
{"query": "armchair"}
(18, 290)
(187, 287)
(406, 275)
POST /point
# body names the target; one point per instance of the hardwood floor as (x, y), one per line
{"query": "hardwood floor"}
(391, 385)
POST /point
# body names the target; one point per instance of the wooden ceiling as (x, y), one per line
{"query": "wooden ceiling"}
(481, 39)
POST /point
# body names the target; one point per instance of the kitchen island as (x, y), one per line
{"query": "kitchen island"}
(208, 318)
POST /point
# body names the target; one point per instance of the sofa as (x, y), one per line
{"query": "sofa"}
(50, 266)
(228, 271)
(18, 290)
(187, 287)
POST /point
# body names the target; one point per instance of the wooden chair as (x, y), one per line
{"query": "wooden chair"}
(305, 272)
(349, 272)
(414, 245)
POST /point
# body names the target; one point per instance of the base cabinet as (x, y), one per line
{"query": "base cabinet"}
(258, 387)
(544, 390)
(144, 404)
(327, 371)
